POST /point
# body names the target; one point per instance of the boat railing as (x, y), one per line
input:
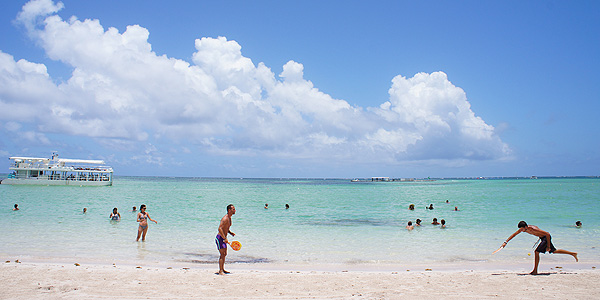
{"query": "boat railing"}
(72, 177)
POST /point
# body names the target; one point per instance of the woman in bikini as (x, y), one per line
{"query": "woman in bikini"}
(143, 218)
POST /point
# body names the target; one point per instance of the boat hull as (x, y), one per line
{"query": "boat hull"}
(13, 181)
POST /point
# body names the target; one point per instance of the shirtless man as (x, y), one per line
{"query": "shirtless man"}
(545, 243)
(221, 238)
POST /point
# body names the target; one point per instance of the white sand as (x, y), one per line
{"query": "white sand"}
(36, 280)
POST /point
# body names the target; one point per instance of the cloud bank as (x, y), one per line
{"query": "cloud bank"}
(122, 93)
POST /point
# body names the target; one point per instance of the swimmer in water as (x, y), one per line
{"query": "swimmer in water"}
(84, 210)
(115, 215)
(143, 218)
(410, 226)
(435, 222)
(443, 223)
(16, 207)
(577, 224)
(418, 222)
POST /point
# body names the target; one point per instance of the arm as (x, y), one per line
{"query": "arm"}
(512, 236)
(148, 216)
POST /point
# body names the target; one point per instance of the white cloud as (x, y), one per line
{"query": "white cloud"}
(123, 94)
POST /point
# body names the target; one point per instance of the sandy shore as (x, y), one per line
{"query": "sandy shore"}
(36, 280)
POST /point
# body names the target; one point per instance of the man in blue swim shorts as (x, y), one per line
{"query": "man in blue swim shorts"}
(221, 238)
(545, 243)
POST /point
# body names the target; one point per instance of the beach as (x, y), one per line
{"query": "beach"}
(23, 280)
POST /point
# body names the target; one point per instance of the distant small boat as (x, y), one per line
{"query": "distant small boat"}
(354, 180)
(58, 171)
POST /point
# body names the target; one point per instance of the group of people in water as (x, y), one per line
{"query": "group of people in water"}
(442, 222)
(410, 225)
(287, 206)
(142, 219)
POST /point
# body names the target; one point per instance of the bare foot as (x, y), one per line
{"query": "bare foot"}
(575, 255)
(223, 272)
(533, 273)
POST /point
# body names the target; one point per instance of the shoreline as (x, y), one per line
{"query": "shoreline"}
(26, 280)
(519, 266)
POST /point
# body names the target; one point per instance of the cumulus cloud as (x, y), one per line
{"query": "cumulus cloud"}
(222, 102)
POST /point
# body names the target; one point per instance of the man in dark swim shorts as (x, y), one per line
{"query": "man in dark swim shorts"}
(221, 238)
(545, 243)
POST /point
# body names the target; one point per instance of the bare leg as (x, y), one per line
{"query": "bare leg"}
(222, 261)
(536, 263)
(144, 234)
(139, 234)
(561, 251)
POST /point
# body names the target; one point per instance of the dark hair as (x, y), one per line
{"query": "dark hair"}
(443, 221)
(409, 223)
(115, 208)
(16, 205)
(435, 219)
(142, 206)
(522, 224)
(578, 223)
(229, 207)
(418, 221)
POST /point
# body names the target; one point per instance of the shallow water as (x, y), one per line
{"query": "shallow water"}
(329, 221)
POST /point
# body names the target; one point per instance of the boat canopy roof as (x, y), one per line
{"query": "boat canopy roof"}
(65, 160)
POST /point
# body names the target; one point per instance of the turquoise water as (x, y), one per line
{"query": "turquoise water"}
(329, 221)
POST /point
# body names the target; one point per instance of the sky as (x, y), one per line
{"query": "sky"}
(304, 89)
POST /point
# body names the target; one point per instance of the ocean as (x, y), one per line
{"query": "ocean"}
(330, 221)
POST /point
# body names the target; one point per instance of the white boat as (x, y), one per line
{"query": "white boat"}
(58, 171)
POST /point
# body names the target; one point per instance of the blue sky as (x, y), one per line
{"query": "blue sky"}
(304, 88)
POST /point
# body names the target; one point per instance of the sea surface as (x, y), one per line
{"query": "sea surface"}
(330, 221)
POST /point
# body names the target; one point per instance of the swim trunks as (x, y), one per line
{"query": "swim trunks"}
(220, 242)
(544, 244)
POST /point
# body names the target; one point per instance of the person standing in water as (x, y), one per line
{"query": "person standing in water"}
(143, 218)
(221, 238)
(115, 215)
(545, 243)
